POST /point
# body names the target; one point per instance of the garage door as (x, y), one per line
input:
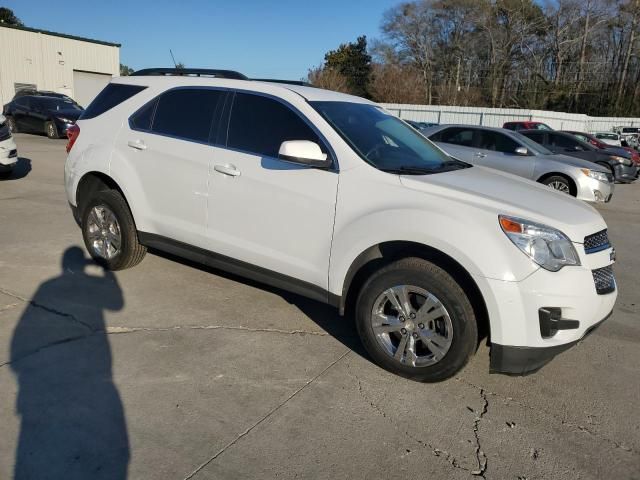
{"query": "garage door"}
(87, 85)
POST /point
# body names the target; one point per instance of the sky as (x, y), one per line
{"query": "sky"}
(275, 39)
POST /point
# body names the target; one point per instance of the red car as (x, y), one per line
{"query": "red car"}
(526, 126)
(596, 142)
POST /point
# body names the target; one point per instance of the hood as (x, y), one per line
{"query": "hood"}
(503, 193)
(574, 162)
(70, 113)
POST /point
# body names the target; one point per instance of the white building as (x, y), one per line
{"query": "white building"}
(78, 67)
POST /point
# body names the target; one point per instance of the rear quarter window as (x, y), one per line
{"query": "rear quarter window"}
(112, 95)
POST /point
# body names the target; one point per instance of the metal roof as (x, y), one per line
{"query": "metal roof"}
(62, 35)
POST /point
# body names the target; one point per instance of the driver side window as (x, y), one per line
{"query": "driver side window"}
(497, 142)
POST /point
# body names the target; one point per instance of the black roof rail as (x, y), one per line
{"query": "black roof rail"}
(301, 83)
(196, 72)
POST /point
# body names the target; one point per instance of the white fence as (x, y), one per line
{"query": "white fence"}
(496, 117)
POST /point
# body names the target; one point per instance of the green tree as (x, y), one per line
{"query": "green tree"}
(8, 17)
(353, 62)
(125, 70)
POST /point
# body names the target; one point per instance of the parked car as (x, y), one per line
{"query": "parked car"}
(622, 167)
(330, 196)
(514, 153)
(8, 149)
(609, 138)
(41, 93)
(420, 125)
(634, 155)
(517, 126)
(629, 136)
(41, 114)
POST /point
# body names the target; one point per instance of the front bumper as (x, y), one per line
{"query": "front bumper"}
(519, 337)
(592, 190)
(512, 360)
(626, 174)
(8, 154)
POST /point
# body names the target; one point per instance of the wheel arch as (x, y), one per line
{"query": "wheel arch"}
(92, 182)
(573, 187)
(381, 254)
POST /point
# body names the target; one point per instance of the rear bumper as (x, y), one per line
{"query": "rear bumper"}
(513, 360)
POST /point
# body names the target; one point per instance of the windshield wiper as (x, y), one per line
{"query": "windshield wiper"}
(409, 170)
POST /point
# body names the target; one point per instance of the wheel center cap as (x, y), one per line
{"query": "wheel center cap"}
(409, 325)
(104, 233)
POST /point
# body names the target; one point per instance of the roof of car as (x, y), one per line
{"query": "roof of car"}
(309, 93)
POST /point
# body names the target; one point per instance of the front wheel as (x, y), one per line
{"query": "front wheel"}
(558, 183)
(415, 320)
(109, 232)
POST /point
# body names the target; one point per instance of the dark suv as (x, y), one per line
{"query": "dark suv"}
(42, 114)
(622, 167)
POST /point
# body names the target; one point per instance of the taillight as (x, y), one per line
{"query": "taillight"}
(73, 132)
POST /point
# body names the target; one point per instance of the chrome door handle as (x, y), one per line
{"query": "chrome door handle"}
(480, 155)
(230, 170)
(137, 144)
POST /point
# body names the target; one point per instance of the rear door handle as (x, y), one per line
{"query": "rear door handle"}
(137, 144)
(230, 170)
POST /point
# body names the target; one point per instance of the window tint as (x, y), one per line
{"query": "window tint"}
(112, 95)
(564, 142)
(536, 137)
(22, 102)
(259, 125)
(497, 142)
(186, 113)
(457, 136)
(141, 120)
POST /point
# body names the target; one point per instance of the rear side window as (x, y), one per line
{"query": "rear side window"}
(497, 142)
(112, 95)
(186, 113)
(457, 136)
(141, 120)
(564, 142)
(259, 125)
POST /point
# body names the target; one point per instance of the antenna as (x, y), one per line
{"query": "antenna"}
(173, 58)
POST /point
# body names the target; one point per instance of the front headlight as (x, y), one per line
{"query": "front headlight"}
(600, 176)
(622, 160)
(546, 246)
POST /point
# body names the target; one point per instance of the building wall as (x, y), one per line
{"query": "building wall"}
(48, 61)
(496, 117)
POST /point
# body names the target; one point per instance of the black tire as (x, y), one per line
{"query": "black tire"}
(560, 184)
(131, 252)
(4, 174)
(425, 275)
(11, 123)
(51, 130)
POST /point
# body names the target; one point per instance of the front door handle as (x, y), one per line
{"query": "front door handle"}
(228, 169)
(480, 155)
(137, 144)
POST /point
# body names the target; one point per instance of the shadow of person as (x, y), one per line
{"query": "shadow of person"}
(72, 422)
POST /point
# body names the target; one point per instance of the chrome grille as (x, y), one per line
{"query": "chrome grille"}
(596, 242)
(604, 280)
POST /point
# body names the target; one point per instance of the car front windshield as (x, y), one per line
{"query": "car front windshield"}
(59, 104)
(531, 145)
(384, 141)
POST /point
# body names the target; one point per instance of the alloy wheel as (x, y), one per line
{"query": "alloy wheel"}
(412, 325)
(103, 232)
(560, 186)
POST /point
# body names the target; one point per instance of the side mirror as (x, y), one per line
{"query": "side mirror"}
(522, 151)
(303, 152)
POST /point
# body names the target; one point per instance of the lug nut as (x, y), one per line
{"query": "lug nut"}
(413, 315)
(421, 325)
(401, 318)
(415, 335)
(404, 331)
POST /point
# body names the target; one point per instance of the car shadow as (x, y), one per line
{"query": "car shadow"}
(325, 316)
(21, 169)
(72, 421)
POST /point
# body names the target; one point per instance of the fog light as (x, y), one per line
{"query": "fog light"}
(599, 196)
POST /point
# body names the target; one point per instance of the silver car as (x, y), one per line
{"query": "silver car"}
(514, 153)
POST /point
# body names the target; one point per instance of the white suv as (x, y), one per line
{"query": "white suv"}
(8, 149)
(329, 196)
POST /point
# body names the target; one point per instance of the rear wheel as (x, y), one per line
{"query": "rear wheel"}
(416, 321)
(109, 232)
(558, 183)
(51, 130)
(11, 123)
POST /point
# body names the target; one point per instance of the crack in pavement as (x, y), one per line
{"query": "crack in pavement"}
(47, 309)
(121, 330)
(265, 417)
(424, 444)
(563, 422)
(480, 455)
(47, 346)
